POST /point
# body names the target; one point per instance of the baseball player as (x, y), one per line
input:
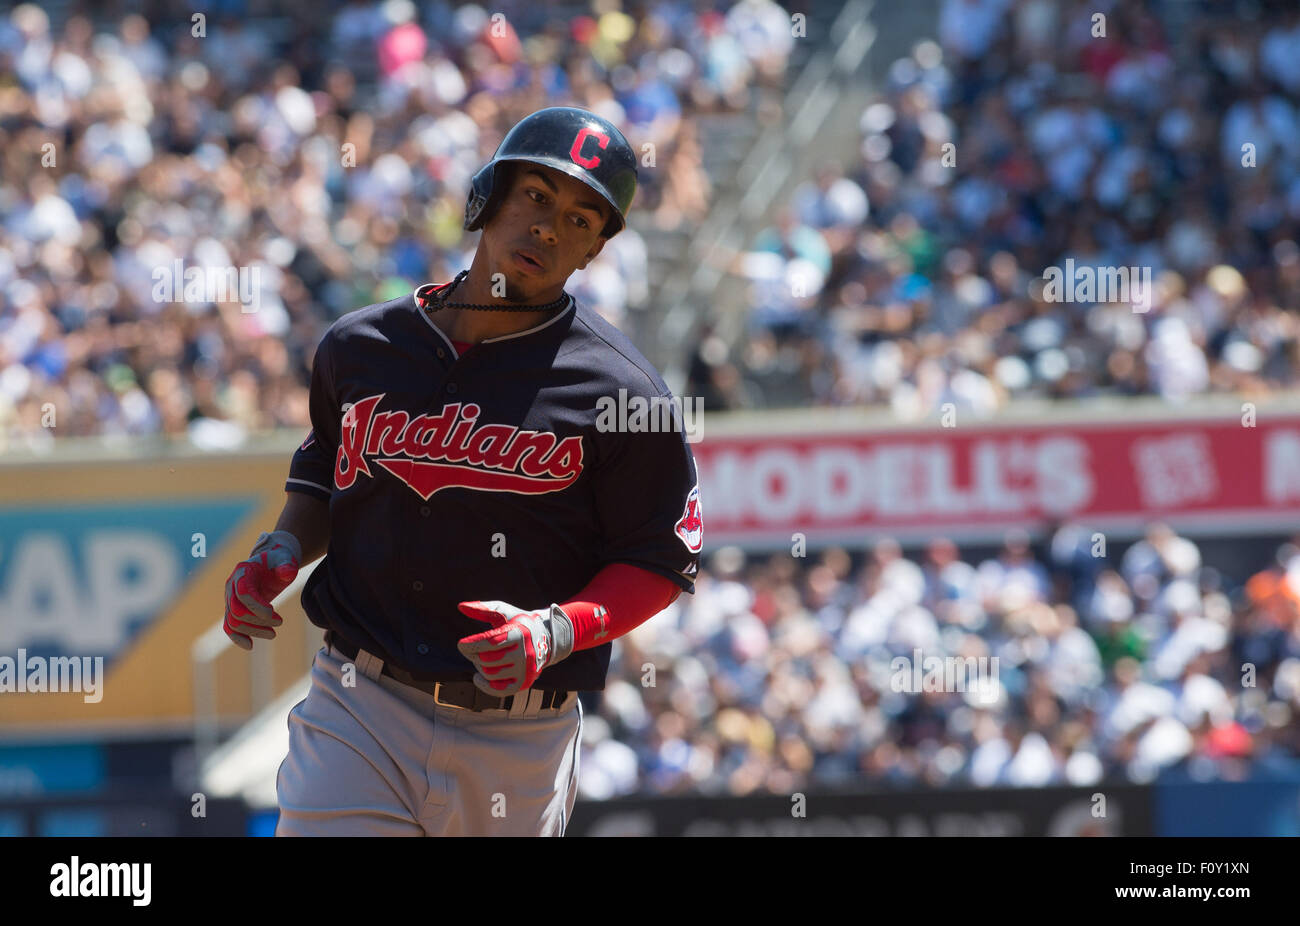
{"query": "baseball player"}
(486, 535)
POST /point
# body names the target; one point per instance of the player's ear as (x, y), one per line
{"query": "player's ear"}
(591, 254)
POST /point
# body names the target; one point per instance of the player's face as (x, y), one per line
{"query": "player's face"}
(548, 225)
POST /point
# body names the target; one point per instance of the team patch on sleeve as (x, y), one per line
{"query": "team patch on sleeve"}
(690, 528)
(311, 438)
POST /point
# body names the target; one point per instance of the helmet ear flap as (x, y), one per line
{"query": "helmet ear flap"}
(485, 192)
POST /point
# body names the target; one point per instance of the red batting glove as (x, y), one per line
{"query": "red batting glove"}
(255, 583)
(509, 657)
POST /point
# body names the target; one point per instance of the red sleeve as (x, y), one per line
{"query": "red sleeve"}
(619, 599)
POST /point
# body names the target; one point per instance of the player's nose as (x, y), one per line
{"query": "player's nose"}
(545, 230)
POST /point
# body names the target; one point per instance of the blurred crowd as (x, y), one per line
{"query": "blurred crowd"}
(326, 148)
(782, 674)
(910, 276)
(329, 145)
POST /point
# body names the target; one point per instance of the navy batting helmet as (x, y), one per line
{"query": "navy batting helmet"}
(572, 141)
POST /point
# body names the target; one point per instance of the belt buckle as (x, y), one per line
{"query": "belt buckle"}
(437, 698)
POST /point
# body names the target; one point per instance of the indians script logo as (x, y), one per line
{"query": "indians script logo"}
(452, 450)
(691, 526)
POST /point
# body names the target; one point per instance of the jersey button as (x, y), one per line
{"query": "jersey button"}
(451, 389)
(417, 585)
(423, 649)
(442, 354)
(424, 510)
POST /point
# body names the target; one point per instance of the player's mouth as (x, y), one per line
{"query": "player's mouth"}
(529, 261)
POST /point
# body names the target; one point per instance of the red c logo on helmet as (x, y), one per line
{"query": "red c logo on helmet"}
(576, 151)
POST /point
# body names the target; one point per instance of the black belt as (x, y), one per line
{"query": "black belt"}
(464, 695)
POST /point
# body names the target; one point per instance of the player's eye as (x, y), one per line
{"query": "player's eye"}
(581, 222)
(536, 196)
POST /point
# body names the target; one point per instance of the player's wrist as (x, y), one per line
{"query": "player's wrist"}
(560, 627)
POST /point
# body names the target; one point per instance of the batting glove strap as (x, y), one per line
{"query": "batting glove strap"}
(268, 541)
(560, 628)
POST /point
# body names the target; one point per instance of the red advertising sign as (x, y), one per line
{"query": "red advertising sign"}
(976, 482)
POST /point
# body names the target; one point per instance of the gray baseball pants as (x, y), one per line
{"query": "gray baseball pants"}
(379, 758)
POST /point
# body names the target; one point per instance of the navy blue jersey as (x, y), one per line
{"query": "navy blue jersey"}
(487, 475)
